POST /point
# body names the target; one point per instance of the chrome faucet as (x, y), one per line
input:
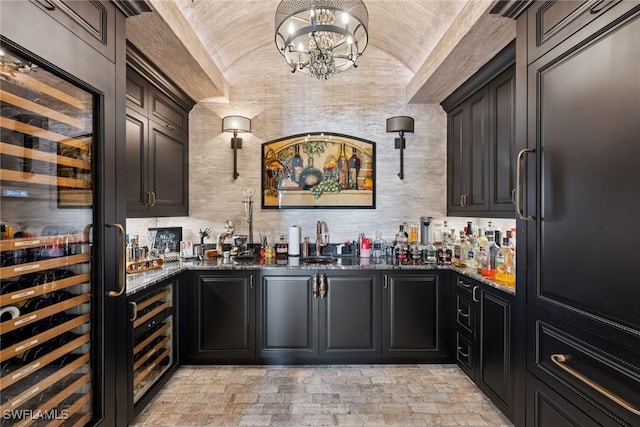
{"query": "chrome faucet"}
(320, 240)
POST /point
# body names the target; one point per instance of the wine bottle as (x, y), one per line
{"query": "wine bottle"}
(354, 169)
(343, 170)
(296, 164)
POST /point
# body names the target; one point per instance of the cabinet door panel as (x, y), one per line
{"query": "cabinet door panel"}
(288, 317)
(350, 316)
(495, 346)
(455, 161)
(169, 156)
(503, 141)
(413, 313)
(137, 169)
(167, 113)
(587, 153)
(224, 314)
(478, 163)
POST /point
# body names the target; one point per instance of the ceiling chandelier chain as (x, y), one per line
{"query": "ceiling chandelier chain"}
(321, 37)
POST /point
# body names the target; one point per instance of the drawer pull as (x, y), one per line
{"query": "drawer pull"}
(473, 294)
(462, 313)
(463, 354)
(599, 6)
(560, 360)
(464, 284)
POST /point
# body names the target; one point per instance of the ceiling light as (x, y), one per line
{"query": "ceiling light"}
(318, 45)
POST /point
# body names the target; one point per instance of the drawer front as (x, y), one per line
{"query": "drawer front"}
(164, 111)
(552, 22)
(585, 368)
(464, 286)
(548, 408)
(464, 353)
(464, 314)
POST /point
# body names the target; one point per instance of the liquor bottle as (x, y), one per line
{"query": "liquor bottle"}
(458, 252)
(282, 248)
(354, 169)
(505, 272)
(490, 232)
(469, 230)
(430, 254)
(489, 257)
(401, 249)
(378, 246)
(343, 170)
(297, 164)
(469, 253)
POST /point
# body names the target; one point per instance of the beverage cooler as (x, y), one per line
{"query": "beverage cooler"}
(57, 330)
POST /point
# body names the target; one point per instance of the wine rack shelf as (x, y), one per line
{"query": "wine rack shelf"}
(153, 342)
(46, 301)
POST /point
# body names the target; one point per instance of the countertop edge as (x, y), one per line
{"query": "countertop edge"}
(140, 281)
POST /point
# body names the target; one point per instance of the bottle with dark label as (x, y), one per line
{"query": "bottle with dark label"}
(343, 170)
(354, 169)
(297, 164)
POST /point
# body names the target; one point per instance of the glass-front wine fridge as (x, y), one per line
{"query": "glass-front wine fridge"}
(47, 214)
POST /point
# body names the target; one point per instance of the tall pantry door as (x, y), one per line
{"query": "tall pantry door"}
(58, 128)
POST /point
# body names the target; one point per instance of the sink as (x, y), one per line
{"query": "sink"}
(318, 259)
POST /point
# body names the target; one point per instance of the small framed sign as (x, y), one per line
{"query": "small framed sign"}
(167, 238)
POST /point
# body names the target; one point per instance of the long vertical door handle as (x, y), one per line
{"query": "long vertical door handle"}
(121, 266)
(520, 184)
(323, 285)
(314, 286)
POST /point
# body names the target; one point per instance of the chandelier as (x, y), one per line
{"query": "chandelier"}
(321, 37)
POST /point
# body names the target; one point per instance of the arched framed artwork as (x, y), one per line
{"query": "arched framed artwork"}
(318, 170)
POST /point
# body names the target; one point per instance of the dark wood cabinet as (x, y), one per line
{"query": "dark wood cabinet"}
(578, 120)
(287, 315)
(157, 144)
(481, 141)
(349, 315)
(484, 339)
(468, 155)
(220, 311)
(414, 320)
(325, 314)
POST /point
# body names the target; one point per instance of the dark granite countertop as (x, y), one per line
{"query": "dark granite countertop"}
(139, 281)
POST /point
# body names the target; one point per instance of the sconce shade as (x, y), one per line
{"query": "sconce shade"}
(400, 124)
(236, 124)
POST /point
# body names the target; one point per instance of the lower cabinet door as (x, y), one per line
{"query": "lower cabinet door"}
(546, 408)
(349, 315)
(287, 316)
(413, 313)
(222, 316)
(494, 347)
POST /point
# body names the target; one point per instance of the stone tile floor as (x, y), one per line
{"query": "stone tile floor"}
(321, 395)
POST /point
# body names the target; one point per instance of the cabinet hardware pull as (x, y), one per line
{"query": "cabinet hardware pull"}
(148, 202)
(560, 360)
(599, 6)
(47, 4)
(464, 284)
(314, 286)
(462, 353)
(153, 194)
(473, 294)
(135, 311)
(121, 262)
(513, 196)
(462, 200)
(323, 286)
(386, 281)
(170, 127)
(520, 184)
(462, 313)
(466, 199)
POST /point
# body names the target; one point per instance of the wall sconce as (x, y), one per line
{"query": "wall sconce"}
(236, 124)
(400, 124)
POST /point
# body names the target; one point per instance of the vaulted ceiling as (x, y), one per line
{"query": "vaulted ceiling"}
(208, 47)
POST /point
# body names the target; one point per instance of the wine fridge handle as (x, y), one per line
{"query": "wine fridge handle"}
(134, 306)
(121, 266)
(520, 184)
